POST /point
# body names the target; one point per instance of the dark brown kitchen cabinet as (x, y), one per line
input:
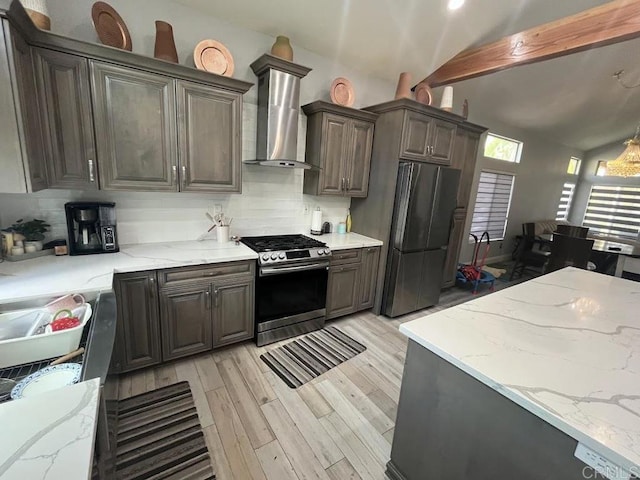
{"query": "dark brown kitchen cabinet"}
(138, 324)
(426, 139)
(453, 250)
(339, 142)
(67, 121)
(185, 319)
(209, 138)
(368, 277)
(135, 120)
(465, 152)
(342, 290)
(28, 111)
(233, 313)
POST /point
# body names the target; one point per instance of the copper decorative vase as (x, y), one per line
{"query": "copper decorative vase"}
(282, 48)
(403, 90)
(165, 48)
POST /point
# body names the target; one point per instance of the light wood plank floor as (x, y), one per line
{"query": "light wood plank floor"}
(339, 426)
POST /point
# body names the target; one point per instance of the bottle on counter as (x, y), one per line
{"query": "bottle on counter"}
(348, 220)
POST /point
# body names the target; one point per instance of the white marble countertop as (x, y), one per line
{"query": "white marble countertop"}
(51, 276)
(342, 241)
(50, 436)
(565, 346)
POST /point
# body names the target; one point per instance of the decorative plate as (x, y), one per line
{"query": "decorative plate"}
(423, 94)
(341, 92)
(214, 57)
(49, 378)
(110, 27)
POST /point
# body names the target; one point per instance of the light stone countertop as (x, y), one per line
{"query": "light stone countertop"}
(51, 435)
(564, 346)
(50, 276)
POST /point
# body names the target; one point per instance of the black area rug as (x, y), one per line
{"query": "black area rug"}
(159, 437)
(310, 356)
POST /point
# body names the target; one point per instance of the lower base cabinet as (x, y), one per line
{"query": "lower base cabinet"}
(185, 321)
(353, 277)
(195, 315)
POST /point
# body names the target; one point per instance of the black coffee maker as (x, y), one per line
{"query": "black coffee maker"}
(91, 227)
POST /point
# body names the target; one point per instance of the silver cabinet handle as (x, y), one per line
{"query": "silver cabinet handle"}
(216, 296)
(207, 296)
(151, 290)
(91, 175)
(184, 176)
(174, 173)
(342, 184)
(348, 184)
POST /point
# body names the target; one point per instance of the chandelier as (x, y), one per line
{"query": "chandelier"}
(628, 163)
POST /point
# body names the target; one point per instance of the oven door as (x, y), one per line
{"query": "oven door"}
(286, 294)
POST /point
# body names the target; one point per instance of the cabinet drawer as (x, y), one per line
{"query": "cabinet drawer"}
(341, 257)
(178, 276)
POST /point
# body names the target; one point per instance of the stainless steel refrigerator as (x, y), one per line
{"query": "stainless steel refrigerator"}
(425, 199)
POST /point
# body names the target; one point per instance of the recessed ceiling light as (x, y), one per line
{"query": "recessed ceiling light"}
(455, 4)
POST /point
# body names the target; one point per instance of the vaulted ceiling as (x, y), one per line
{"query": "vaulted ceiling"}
(574, 99)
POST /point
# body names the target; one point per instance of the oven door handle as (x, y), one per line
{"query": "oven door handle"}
(266, 271)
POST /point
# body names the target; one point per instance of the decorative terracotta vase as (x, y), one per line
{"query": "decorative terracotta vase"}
(282, 48)
(403, 89)
(38, 12)
(165, 48)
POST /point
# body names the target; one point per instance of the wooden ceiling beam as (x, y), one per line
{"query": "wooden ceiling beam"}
(606, 24)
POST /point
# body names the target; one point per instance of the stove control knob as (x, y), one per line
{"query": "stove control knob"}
(320, 252)
(327, 251)
(265, 257)
(274, 256)
(282, 256)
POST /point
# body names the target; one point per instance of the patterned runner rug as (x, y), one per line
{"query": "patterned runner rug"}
(159, 437)
(310, 356)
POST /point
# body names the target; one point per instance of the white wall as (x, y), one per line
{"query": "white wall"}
(272, 199)
(540, 176)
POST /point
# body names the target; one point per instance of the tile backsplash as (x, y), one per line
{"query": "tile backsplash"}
(271, 202)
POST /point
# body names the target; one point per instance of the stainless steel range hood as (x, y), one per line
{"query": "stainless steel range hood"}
(278, 112)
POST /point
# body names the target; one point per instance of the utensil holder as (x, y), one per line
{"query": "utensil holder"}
(223, 233)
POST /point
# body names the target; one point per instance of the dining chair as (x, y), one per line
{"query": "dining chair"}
(573, 231)
(569, 251)
(525, 256)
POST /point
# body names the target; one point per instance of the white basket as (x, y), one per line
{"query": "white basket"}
(17, 351)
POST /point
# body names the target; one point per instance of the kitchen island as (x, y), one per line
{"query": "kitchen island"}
(511, 384)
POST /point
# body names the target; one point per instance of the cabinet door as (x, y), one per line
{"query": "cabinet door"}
(67, 122)
(416, 137)
(185, 317)
(28, 112)
(136, 125)
(360, 143)
(333, 152)
(138, 326)
(233, 317)
(343, 288)
(209, 139)
(442, 139)
(453, 250)
(368, 277)
(464, 154)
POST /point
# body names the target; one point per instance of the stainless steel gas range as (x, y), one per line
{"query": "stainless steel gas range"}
(291, 285)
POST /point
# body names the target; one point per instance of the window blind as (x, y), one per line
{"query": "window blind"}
(492, 204)
(565, 201)
(614, 211)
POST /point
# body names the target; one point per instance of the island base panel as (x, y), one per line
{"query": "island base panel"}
(451, 426)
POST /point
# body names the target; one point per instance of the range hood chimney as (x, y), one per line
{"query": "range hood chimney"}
(278, 111)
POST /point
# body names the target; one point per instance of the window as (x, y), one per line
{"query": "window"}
(574, 166)
(502, 148)
(601, 169)
(492, 204)
(565, 201)
(614, 211)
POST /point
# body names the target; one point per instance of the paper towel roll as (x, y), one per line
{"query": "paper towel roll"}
(316, 222)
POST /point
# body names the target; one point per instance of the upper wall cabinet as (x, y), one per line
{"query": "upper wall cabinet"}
(158, 126)
(135, 121)
(67, 122)
(339, 142)
(427, 139)
(209, 138)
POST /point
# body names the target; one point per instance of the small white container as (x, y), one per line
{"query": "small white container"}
(17, 351)
(223, 233)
